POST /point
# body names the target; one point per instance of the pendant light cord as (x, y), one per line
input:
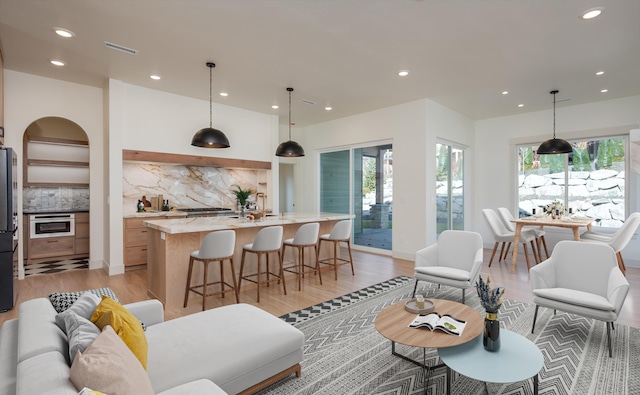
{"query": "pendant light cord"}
(290, 90)
(210, 94)
(554, 112)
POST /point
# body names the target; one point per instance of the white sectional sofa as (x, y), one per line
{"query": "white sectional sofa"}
(233, 349)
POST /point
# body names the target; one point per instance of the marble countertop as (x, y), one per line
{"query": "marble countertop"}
(206, 224)
(147, 214)
(53, 211)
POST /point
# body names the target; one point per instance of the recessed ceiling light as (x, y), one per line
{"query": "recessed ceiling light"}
(275, 107)
(604, 90)
(154, 77)
(403, 73)
(62, 32)
(224, 94)
(600, 73)
(57, 62)
(505, 92)
(520, 105)
(328, 108)
(592, 13)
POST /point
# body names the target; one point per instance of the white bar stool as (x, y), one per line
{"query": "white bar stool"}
(306, 236)
(215, 247)
(268, 240)
(341, 233)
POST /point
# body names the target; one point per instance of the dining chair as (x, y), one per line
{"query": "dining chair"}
(502, 235)
(618, 240)
(507, 217)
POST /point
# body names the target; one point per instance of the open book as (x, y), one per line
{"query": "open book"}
(446, 323)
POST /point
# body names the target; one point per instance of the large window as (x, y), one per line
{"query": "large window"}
(590, 180)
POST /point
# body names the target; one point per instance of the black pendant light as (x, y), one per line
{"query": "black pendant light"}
(554, 145)
(210, 137)
(290, 148)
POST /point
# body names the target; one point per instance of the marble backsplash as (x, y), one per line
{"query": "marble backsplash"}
(185, 186)
(55, 199)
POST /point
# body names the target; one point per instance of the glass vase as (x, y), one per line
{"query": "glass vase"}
(491, 338)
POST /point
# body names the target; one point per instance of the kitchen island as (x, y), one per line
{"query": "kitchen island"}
(171, 242)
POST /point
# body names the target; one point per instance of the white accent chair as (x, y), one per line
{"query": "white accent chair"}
(617, 240)
(507, 217)
(583, 279)
(340, 233)
(267, 241)
(306, 236)
(215, 247)
(504, 236)
(454, 260)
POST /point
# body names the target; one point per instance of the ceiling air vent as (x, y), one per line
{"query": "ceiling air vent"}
(120, 48)
(305, 101)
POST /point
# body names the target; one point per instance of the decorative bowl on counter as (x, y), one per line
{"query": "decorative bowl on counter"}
(256, 214)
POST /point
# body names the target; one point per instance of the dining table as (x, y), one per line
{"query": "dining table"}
(573, 223)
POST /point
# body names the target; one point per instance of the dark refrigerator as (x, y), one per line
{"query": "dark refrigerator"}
(8, 227)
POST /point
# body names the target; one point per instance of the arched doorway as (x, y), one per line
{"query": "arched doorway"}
(55, 196)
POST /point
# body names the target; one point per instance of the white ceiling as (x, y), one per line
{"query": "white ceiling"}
(339, 53)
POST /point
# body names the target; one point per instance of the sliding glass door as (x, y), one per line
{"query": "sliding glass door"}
(449, 188)
(363, 176)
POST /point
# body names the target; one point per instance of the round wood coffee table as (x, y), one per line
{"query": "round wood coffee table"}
(393, 323)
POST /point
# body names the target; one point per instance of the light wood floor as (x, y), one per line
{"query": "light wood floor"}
(370, 269)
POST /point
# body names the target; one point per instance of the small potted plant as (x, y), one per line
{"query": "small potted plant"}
(242, 196)
(491, 300)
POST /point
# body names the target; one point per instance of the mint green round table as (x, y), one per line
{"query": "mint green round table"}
(517, 359)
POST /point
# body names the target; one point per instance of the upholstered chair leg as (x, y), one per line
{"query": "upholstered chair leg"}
(495, 247)
(241, 269)
(317, 250)
(502, 255)
(526, 256)
(233, 278)
(205, 263)
(609, 339)
(284, 286)
(222, 278)
(463, 295)
(544, 244)
(621, 265)
(353, 273)
(186, 292)
(415, 287)
(535, 315)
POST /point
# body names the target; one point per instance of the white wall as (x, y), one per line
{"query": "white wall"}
(495, 153)
(413, 128)
(28, 98)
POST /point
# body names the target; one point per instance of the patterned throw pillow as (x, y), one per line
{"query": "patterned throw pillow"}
(63, 300)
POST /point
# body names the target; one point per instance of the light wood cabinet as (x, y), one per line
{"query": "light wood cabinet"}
(81, 242)
(135, 240)
(51, 247)
(65, 247)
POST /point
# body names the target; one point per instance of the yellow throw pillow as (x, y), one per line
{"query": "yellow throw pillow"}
(125, 324)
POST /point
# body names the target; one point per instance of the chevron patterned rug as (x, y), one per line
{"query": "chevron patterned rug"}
(344, 354)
